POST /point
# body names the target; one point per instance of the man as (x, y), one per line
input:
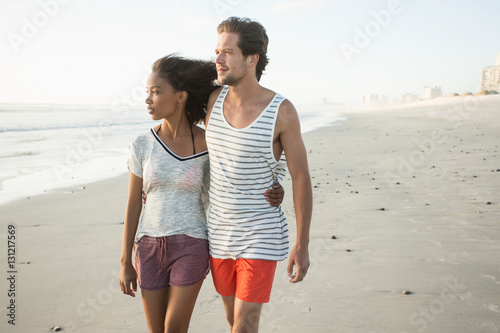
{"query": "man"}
(248, 127)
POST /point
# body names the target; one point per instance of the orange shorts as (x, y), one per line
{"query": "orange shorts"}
(250, 280)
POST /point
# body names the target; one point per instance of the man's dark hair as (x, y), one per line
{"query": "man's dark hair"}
(252, 39)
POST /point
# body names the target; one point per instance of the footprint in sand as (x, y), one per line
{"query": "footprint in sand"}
(492, 278)
(438, 244)
(492, 307)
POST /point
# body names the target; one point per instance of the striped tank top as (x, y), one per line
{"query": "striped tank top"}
(241, 223)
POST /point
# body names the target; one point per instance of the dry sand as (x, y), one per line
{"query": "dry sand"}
(410, 194)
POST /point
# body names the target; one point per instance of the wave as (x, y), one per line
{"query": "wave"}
(18, 107)
(19, 154)
(63, 127)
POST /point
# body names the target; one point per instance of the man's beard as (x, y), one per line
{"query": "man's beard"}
(231, 79)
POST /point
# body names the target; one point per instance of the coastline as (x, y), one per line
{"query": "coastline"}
(436, 237)
(65, 146)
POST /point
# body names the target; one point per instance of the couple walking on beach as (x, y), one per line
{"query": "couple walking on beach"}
(236, 164)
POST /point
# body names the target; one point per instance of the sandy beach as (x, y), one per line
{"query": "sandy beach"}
(405, 235)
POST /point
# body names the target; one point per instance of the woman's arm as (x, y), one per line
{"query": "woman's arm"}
(128, 274)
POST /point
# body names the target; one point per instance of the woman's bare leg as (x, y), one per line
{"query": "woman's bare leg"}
(155, 307)
(180, 307)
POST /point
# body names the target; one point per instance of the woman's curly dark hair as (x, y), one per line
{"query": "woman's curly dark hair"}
(196, 77)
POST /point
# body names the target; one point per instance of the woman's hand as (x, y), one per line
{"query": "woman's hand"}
(275, 195)
(128, 279)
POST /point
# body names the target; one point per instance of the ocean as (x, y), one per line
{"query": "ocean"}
(44, 147)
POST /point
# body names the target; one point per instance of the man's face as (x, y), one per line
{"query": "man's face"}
(231, 64)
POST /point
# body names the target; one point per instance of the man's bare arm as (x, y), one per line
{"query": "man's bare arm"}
(290, 138)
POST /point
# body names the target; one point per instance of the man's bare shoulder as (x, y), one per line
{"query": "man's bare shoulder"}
(266, 94)
(287, 106)
(287, 110)
(288, 118)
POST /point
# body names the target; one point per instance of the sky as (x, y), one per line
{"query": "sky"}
(100, 51)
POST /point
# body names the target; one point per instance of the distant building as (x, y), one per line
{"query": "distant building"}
(325, 101)
(384, 100)
(491, 78)
(375, 100)
(369, 99)
(431, 92)
(407, 98)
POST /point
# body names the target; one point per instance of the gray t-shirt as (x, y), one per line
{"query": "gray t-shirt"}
(176, 188)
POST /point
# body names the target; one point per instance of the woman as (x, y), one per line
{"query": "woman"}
(170, 162)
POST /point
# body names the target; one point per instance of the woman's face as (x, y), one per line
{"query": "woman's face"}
(163, 100)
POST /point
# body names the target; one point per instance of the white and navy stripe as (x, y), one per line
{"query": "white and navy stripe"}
(241, 223)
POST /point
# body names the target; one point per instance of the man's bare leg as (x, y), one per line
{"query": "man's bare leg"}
(229, 307)
(243, 317)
